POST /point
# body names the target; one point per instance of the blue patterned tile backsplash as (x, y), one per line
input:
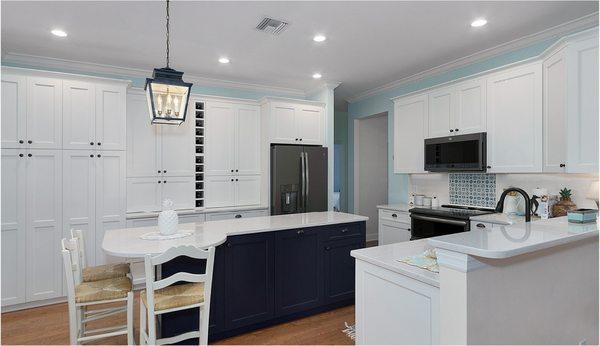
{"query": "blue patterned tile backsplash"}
(477, 189)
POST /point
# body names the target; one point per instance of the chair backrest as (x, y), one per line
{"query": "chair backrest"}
(71, 264)
(78, 235)
(151, 262)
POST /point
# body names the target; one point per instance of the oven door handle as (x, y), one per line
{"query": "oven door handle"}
(440, 220)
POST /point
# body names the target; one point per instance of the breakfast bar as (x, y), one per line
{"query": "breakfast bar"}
(267, 269)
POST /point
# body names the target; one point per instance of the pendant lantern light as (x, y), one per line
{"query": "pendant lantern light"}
(167, 93)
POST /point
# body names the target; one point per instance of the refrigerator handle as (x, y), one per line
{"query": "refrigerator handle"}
(303, 181)
(307, 174)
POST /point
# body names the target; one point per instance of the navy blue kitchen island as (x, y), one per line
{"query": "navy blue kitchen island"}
(266, 278)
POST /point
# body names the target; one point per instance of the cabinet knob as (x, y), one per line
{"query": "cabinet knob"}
(159, 171)
(488, 167)
(345, 230)
(232, 171)
(456, 130)
(236, 170)
(159, 181)
(99, 143)
(29, 155)
(165, 171)
(91, 155)
(300, 139)
(327, 248)
(99, 155)
(164, 181)
(237, 180)
(30, 141)
(21, 141)
(563, 165)
(20, 155)
(451, 130)
(237, 216)
(228, 245)
(301, 231)
(394, 215)
(296, 138)
(480, 225)
(232, 179)
(91, 143)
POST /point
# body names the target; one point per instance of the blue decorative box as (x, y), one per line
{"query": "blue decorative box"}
(582, 215)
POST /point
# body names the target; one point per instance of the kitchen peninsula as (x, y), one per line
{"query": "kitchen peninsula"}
(508, 284)
(267, 269)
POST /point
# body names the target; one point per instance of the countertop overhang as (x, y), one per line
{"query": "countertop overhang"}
(504, 241)
(126, 242)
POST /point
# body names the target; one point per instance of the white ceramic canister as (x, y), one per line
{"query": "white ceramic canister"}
(419, 199)
(427, 201)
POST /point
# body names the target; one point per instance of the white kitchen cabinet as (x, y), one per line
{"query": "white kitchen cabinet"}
(236, 214)
(14, 103)
(393, 226)
(582, 106)
(292, 122)
(247, 140)
(247, 190)
(410, 129)
(219, 191)
(180, 190)
(457, 109)
(144, 194)
(514, 114)
(44, 224)
(110, 129)
(157, 150)
(14, 224)
(219, 137)
(555, 112)
(110, 199)
(441, 110)
(79, 115)
(44, 113)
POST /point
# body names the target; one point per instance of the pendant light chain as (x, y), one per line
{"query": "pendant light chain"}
(168, 41)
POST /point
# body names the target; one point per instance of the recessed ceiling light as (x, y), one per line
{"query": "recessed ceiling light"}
(224, 60)
(319, 38)
(479, 22)
(317, 76)
(59, 33)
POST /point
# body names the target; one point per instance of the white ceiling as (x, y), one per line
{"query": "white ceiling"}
(368, 43)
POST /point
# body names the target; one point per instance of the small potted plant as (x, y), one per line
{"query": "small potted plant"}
(564, 205)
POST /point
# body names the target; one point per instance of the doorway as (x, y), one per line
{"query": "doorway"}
(370, 168)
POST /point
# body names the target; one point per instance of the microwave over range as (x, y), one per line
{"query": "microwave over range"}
(462, 153)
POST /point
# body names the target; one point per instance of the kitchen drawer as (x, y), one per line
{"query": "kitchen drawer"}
(236, 215)
(397, 216)
(345, 231)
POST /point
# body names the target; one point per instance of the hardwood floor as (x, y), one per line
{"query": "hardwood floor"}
(49, 325)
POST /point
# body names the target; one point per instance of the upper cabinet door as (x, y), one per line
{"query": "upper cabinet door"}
(515, 120)
(248, 140)
(582, 126)
(79, 188)
(110, 117)
(178, 147)
(44, 224)
(44, 113)
(309, 124)
(441, 109)
(283, 117)
(110, 196)
(14, 238)
(14, 102)
(555, 113)
(79, 115)
(410, 129)
(143, 139)
(470, 115)
(219, 138)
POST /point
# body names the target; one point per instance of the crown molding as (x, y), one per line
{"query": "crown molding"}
(74, 66)
(29, 71)
(291, 100)
(556, 31)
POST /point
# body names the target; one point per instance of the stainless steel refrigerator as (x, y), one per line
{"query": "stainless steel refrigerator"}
(298, 179)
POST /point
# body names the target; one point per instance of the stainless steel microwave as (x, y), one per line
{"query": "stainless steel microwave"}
(462, 153)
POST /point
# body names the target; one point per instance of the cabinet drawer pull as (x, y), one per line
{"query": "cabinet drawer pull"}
(345, 230)
(394, 215)
(300, 231)
(480, 225)
(562, 165)
(237, 216)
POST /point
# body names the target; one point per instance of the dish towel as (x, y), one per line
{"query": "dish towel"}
(427, 260)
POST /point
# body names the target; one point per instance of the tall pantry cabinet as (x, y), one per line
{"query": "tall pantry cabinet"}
(63, 167)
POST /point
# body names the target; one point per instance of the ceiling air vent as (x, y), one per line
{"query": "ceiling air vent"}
(272, 26)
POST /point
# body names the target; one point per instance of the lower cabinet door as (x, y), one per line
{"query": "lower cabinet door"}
(143, 194)
(220, 191)
(338, 269)
(249, 269)
(393, 232)
(180, 190)
(298, 271)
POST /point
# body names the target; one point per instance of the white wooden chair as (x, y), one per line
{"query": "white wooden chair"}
(100, 272)
(83, 295)
(162, 296)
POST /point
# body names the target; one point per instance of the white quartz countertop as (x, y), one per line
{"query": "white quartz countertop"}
(150, 214)
(126, 242)
(395, 207)
(504, 241)
(501, 218)
(387, 256)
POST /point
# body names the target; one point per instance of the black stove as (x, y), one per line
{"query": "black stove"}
(447, 219)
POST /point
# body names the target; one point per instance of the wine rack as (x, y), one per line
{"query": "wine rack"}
(199, 119)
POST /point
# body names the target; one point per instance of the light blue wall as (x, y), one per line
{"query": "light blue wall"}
(140, 82)
(381, 102)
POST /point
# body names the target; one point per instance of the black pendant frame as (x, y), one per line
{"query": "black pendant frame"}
(166, 76)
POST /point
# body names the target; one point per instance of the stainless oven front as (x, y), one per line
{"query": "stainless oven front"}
(425, 226)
